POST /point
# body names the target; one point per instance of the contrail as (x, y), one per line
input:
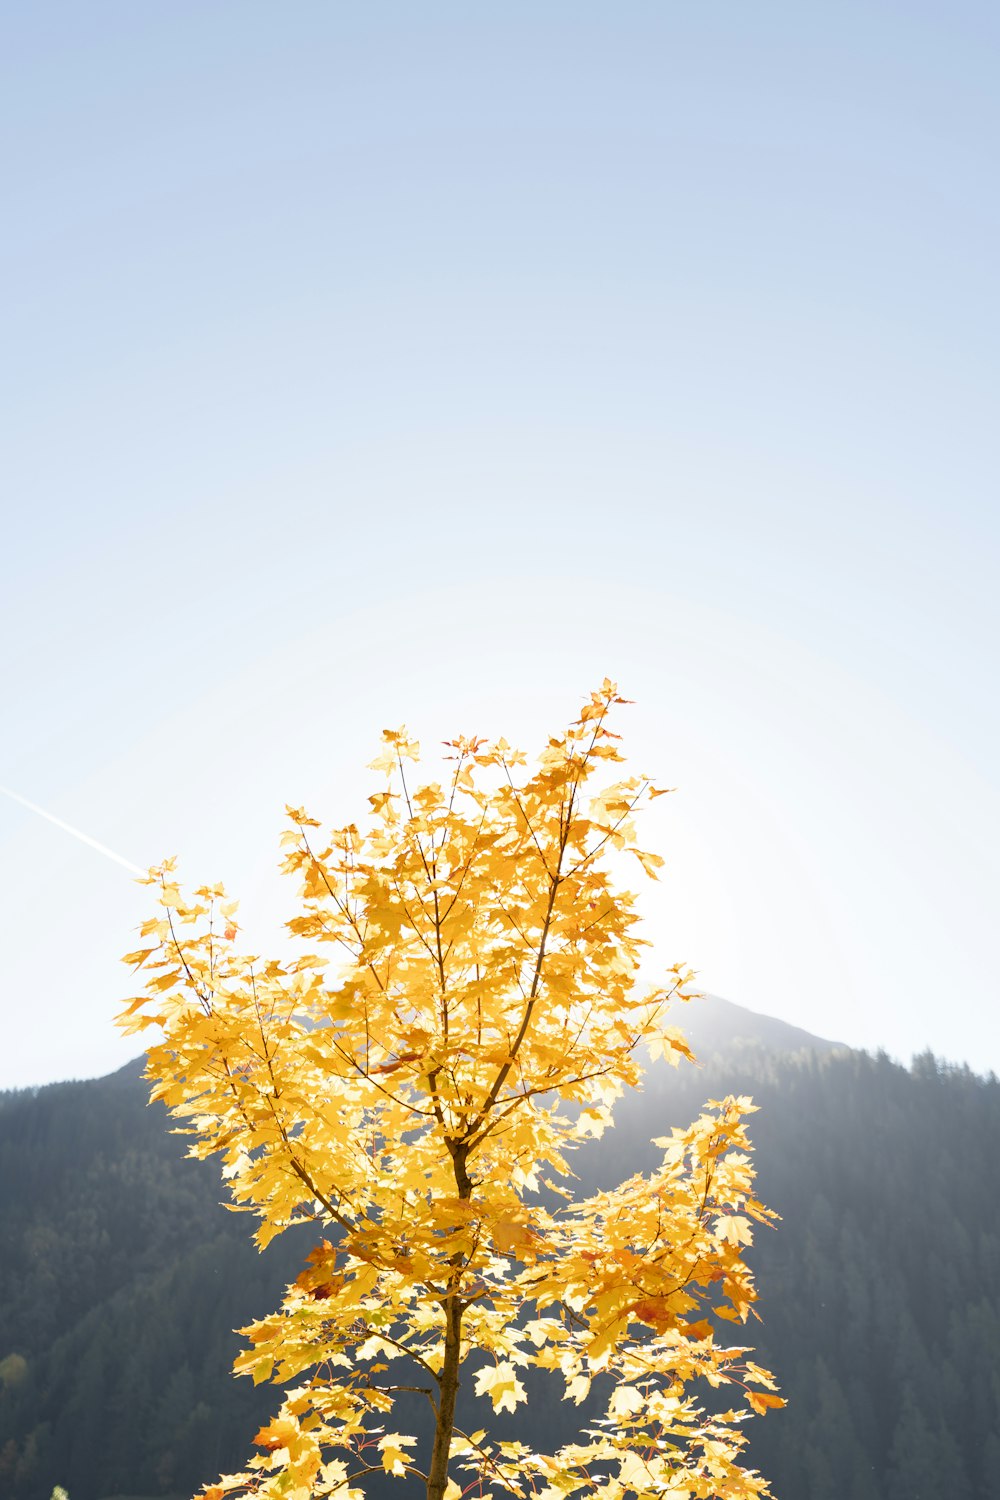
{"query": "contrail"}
(68, 828)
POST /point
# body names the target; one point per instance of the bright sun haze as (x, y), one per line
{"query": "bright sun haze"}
(426, 364)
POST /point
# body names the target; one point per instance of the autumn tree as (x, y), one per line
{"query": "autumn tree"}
(466, 1014)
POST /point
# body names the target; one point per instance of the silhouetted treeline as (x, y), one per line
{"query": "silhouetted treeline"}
(880, 1289)
(121, 1279)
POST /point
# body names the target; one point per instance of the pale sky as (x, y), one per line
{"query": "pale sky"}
(379, 363)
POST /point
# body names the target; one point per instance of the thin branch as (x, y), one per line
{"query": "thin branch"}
(610, 832)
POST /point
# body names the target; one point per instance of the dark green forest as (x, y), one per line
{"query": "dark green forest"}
(122, 1277)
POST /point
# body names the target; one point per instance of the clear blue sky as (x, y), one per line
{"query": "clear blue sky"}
(427, 362)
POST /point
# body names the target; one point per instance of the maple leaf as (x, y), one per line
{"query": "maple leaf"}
(761, 1402)
(501, 1385)
(735, 1229)
(393, 1447)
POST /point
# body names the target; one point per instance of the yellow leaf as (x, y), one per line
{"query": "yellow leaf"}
(761, 1402)
(501, 1385)
(735, 1229)
(626, 1401)
(394, 1457)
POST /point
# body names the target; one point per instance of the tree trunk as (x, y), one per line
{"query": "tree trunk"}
(437, 1475)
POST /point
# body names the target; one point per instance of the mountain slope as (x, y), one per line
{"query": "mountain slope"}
(880, 1289)
(121, 1278)
(717, 1027)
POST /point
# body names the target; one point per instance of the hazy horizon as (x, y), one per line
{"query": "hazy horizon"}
(697, 1030)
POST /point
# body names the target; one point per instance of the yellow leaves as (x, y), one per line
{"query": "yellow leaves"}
(224, 1485)
(266, 1233)
(734, 1229)
(372, 1346)
(762, 1403)
(277, 1434)
(634, 1473)
(300, 817)
(395, 1460)
(513, 1233)
(333, 1480)
(701, 1329)
(593, 1121)
(481, 1019)
(501, 1384)
(398, 746)
(651, 863)
(668, 1042)
(759, 1376)
(381, 802)
(168, 981)
(137, 959)
(128, 1021)
(654, 1311)
(542, 1331)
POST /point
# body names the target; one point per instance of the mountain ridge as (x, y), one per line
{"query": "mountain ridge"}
(709, 1022)
(713, 1024)
(122, 1274)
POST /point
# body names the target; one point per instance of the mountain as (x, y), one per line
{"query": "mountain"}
(880, 1288)
(717, 1027)
(121, 1277)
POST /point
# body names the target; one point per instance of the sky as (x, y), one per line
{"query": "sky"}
(368, 364)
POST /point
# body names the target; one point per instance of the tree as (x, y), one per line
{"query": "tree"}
(421, 1100)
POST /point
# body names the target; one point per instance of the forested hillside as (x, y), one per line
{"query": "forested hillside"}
(880, 1289)
(121, 1280)
(121, 1277)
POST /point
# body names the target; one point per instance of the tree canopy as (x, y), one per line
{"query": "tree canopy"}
(467, 1013)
